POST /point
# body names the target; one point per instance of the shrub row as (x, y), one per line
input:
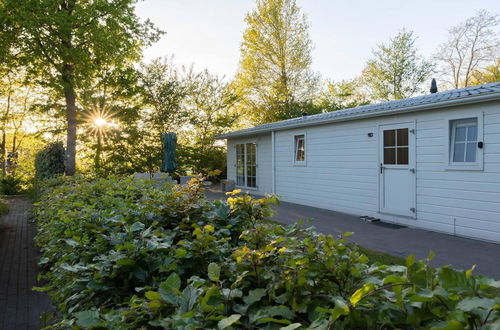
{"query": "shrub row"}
(125, 255)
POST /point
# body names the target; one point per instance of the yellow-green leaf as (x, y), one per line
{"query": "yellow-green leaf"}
(360, 293)
(153, 295)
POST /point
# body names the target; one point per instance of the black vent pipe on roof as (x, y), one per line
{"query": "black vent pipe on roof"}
(304, 114)
(434, 87)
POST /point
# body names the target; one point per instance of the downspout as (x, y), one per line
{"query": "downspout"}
(273, 163)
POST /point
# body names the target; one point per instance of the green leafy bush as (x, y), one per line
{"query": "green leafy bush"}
(11, 185)
(122, 254)
(49, 162)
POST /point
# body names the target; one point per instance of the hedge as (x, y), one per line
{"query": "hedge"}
(122, 254)
(49, 161)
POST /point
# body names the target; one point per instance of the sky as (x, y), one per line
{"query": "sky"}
(208, 33)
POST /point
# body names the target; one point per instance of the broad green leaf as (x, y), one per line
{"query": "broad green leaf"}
(154, 304)
(228, 321)
(153, 295)
(292, 326)
(137, 226)
(469, 304)
(213, 272)
(169, 289)
(181, 253)
(254, 296)
(173, 281)
(88, 319)
(340, 308)
(360, 293)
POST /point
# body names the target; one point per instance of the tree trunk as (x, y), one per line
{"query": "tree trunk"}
(71, 118)
(3, 153)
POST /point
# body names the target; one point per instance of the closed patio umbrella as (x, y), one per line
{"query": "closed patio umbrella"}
(169, 145)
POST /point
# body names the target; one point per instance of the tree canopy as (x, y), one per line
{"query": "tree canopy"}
(275, 80)
(65, 43)
(471, 45)
(396, 70)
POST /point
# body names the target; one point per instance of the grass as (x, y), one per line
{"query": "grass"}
(384, 258)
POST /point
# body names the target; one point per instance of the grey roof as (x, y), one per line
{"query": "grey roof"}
(466, 95)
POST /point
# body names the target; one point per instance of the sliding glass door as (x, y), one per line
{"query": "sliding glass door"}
(246, 165)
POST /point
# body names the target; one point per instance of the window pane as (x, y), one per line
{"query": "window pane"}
(299, 148)
(240, 180)
(472, 133)
(471, 152)
(402, 156)
(459, 152)
(389, 155)
(402, 137)
(460, 134)
(389, 138)
(251, 181)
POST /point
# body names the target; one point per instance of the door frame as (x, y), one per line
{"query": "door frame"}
(245, 165)
(412, 167)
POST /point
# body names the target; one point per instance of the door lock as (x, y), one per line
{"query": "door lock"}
(412, 170)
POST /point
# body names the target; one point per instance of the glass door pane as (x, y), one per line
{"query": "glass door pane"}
(251, 165)
(240, 164)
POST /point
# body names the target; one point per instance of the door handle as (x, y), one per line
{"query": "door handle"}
(381, 168)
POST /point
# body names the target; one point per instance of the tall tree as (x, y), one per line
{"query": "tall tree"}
(164, 89)
(396, 70)
(471, 45)
(490, 74)
(341, 95)
(210, 106)
(65, 43)
(275, 79)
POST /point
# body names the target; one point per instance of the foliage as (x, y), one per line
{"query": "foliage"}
(65, 44)
(396, 71)
(341, 95)
(275, 80)
(49, 162)
(471, 45)
(490, 74)
(124, 254)
(11, 185)
(164, 89)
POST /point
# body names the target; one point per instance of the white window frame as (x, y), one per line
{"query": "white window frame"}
(245, 155)
(295, 145)
(451, 122)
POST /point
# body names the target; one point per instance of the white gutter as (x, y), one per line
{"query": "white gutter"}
(375, 113)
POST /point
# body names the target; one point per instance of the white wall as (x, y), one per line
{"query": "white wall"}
(341, 173)
(264, 159)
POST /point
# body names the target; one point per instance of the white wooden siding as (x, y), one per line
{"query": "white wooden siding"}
(264, 158)
(341, 173)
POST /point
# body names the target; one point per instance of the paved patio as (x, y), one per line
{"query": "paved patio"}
(20, 307)
(459, 252)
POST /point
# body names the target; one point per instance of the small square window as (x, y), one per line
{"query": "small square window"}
(396, 146)
(300, 148)
(463, 141)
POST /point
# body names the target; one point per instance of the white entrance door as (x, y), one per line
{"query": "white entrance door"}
(397, 173)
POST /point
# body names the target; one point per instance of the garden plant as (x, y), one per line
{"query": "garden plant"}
(123, 254)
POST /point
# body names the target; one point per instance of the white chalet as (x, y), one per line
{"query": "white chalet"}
(430, 161)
